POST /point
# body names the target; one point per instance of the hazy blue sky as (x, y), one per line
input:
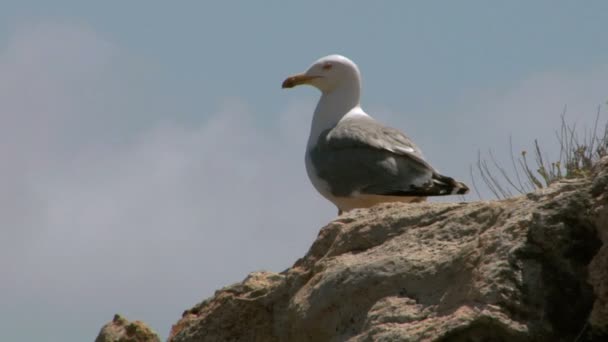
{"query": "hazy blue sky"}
(148, 155)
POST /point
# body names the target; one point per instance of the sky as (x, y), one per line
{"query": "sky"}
(148, 155)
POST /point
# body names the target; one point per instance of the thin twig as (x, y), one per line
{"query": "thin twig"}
(485, 177)
(521, 186)
(504, 174)
(473, 182)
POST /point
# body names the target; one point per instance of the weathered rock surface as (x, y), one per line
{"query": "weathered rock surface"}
(598, 269)
(121, 330)
(530, 268)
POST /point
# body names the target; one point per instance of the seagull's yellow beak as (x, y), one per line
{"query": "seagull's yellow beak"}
(297, 80)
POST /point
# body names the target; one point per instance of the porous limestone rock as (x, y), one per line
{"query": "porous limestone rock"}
(529, 268)
(121, 330)
(598, 269)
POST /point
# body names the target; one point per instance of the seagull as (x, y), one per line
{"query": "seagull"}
(353, 160)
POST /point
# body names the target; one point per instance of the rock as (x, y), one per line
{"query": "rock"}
(598, 269)
(529, 268)
(121, 330)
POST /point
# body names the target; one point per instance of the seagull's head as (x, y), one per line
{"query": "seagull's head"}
(327, 74)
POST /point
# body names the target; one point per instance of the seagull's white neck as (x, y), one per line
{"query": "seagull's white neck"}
(332, 107)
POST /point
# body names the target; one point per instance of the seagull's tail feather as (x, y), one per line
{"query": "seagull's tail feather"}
(448, 185)
(439, 185)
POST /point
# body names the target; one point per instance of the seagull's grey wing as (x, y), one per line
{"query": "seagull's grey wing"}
(360, 155)
(367, 132)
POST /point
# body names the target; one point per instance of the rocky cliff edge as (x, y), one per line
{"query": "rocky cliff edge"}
(529, 268)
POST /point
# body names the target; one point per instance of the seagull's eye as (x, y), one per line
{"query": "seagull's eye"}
(327, 66)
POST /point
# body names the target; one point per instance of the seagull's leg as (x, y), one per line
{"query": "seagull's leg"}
(339, 211)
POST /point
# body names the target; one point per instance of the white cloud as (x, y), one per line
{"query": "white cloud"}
(146, 226)
(178, 214)
(36, 103)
